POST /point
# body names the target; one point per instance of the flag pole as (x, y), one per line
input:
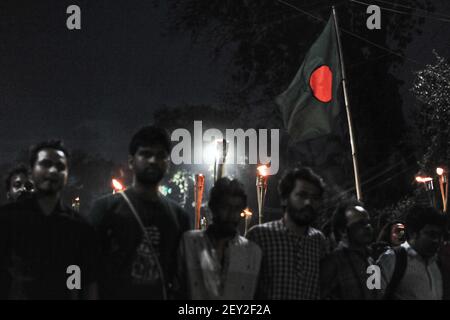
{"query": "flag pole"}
(347, 109)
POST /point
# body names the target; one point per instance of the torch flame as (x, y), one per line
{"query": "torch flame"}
(263, 170)
(117, 185)
(423, 179)
(440, 171)
(77, 199)
(246, 213)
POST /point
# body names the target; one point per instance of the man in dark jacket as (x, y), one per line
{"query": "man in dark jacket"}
(47, 251)
(343, 273)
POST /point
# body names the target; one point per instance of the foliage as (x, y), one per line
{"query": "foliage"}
(266, 41)
(432, 89)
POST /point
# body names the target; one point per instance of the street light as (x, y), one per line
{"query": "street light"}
(216, 153)
(221, 157)
(424, 180)
(429, 187)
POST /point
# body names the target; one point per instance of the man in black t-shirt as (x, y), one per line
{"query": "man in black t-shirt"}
(139, 238)
(46, 250)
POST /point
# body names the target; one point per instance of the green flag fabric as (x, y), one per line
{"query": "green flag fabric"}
(310, 105)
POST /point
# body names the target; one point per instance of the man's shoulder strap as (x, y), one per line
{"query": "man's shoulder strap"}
(135, 213)
(401, 260)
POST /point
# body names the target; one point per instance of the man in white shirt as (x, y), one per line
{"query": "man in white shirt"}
(411, 272)
(218, 263)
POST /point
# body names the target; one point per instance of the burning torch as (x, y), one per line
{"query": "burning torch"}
(261, 189)
(199, 187)
(429, 187)
(443, 185)
(247, 215)
(117, 186)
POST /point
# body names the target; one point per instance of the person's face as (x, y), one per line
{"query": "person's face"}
(149, 164)
(359, 229)
(397, 234)
(228, 214)
(427, 241)
(50, 171)
(17, 186)
(303, 203)
(229, 211)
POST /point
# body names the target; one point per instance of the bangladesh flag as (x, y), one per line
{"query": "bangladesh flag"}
(310, 106)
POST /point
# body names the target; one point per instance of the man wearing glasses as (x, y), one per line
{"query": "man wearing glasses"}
(344, 272)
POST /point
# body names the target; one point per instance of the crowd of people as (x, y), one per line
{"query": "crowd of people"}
(138, 244)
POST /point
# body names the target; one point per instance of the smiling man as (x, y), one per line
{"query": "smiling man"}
(40, 237)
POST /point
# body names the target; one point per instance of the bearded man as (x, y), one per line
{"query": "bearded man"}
(140, 228)
(291, 248)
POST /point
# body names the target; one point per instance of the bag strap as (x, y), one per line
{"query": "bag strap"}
(144, 231)
(136, 215)
(401, 260)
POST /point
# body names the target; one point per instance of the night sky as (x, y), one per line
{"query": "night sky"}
(95, 86)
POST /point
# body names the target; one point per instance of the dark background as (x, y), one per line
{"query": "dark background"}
(95, 86)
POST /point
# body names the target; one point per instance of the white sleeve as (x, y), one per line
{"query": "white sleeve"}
(386, 262)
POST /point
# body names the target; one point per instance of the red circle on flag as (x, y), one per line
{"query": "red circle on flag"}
(321, 81)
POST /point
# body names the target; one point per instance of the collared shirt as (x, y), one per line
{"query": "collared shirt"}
(205, 277)
(36, 250)
(422, 279)
(291, 263)
(343, 275)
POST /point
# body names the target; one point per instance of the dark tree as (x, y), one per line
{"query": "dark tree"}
(432, 89)
(266, 42)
